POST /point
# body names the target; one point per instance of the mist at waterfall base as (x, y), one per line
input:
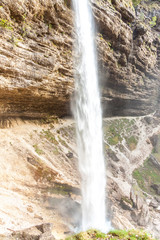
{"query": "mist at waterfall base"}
(88, 116)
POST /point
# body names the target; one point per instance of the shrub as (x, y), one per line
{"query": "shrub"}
(6, 24)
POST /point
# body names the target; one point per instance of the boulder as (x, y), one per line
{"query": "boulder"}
(154, 161)
(39, 232)
(156, 187)
(144, 216)
(154, 204)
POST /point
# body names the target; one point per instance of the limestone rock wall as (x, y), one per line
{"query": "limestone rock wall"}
(36, 63)
(35, 58)
(129, 53)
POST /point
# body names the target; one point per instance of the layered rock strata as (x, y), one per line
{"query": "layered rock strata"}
(36, 58)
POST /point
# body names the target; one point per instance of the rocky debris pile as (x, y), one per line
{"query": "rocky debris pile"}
(40, 232)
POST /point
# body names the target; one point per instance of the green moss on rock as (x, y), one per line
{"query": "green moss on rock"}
(136, 2)
(112, 235)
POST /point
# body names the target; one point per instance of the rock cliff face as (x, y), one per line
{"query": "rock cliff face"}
(39, 177)
(40, 183)
(36, 59)
(36, 72)
(130, 66)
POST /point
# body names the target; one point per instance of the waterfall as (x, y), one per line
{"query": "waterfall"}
(88, 116)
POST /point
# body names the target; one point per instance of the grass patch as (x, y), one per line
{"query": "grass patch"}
(127, 200)
(153, 22)
(114, 140)
(55, 151)
(6, 24)
(38, 150)
(88, 235)
(49, 136)
(112, 235)
(117, 130)
(136, 2)
(147, 175)
(131, 143)
(62, 142)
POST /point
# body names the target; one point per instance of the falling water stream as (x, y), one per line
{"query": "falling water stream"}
(87, 111)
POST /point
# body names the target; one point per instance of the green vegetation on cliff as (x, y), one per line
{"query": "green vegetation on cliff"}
(6, 24)
(147, 175)
(112, 235)
(136, 2)
(115, 131)
(156, 149)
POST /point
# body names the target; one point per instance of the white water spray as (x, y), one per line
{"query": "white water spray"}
(88, 117)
